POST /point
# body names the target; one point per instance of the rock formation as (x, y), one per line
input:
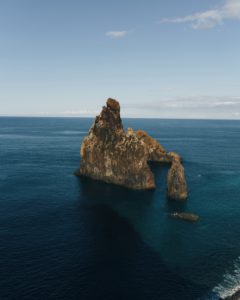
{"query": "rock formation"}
(190, 217)
(110, 154)
(156, 152)
(176, 183)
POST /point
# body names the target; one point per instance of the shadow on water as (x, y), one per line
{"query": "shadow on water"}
(120, 264)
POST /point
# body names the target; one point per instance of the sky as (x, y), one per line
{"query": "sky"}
(158, 58)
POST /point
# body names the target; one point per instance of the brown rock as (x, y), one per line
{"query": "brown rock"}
(109, 154)
(190, 217)
(113, 104)
(176, 182)
(112, 155)
(156, 151)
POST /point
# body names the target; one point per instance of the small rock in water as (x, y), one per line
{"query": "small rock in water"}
(185, 216)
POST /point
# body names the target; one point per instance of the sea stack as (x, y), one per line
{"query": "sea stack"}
(110, 154)
(176, 182)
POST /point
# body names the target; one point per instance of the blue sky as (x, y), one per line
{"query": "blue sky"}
(167, 59)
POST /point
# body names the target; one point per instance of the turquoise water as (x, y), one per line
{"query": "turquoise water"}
(67, 238)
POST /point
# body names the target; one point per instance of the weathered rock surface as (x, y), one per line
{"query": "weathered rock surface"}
(190, 217)
(110, 154)
(176, 182)
(156, 151)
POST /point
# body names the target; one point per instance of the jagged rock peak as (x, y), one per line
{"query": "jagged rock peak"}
(113, 104)
(109, 122)
(110, 154)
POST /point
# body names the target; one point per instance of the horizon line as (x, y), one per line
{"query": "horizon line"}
(124, 117)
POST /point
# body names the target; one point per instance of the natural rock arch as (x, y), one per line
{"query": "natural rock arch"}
(110, 154)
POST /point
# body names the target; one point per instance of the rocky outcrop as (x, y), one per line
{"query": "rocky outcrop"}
(156, 152)
(190, 217)
(110, 154)
(176, 182)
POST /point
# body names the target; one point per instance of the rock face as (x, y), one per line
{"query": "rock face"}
(110, 154)
(176, 182)
(156, 152)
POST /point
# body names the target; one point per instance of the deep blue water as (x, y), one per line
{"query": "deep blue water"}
(62, 237)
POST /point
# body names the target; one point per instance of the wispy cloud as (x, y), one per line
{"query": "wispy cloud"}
(199, 107)
(230, 10)
(236, 114)
(116, 34)
(206, 102)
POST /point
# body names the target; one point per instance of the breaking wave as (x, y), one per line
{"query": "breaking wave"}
(231, 281)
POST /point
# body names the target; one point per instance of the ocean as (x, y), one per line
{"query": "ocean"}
(62, 237)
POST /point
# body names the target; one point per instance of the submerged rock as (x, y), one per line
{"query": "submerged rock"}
(190, 217)
(110, 154)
